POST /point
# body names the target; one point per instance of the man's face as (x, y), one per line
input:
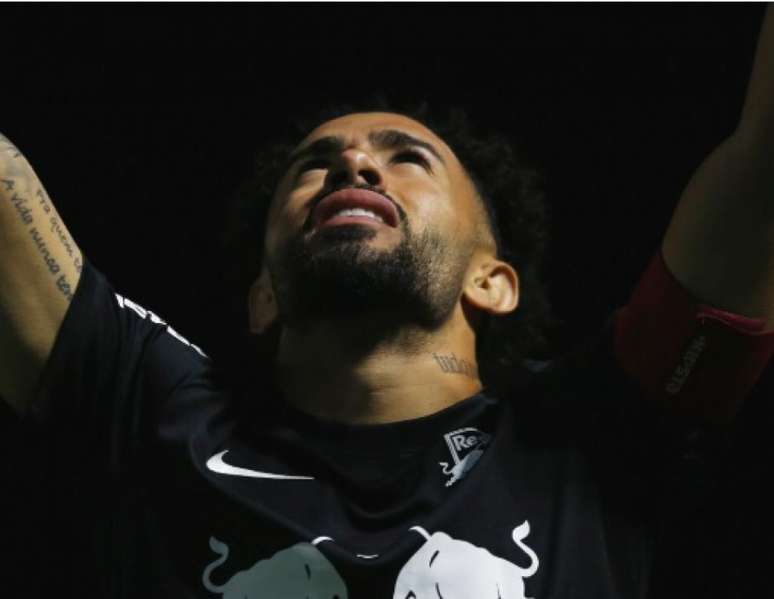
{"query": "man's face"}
(406, 268)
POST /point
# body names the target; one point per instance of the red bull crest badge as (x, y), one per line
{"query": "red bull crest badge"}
(466, 446)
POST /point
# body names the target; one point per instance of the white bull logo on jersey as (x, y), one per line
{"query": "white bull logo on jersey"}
(447, 568)
(298, 572)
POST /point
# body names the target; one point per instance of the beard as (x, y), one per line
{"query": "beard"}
(335, 274)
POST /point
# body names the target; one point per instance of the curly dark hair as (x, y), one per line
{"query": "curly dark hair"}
(509, 185)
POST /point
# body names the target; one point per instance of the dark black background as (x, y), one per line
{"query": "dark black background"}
(141, 120)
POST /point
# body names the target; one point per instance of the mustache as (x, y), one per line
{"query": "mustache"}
(329, 190)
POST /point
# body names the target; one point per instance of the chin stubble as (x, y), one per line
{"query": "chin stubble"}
(335, 274)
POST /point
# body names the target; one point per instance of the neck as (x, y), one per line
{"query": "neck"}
(336, 371)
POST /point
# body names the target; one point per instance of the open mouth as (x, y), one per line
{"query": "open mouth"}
(350, 206)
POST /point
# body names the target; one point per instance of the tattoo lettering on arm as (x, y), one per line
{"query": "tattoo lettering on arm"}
(452, 364)
(43, 201)
(62, 284)
(58, 228)
(20, 203)
(59, 231)
(25, 213)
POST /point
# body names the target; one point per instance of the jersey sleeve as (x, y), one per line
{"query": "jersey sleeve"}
(112, 364)
(694, 362)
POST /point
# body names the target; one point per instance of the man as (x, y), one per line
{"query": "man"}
(389, 471)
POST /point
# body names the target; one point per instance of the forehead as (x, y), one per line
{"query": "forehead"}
(356, 127)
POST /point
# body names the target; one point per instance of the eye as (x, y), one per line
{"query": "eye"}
(410, 156)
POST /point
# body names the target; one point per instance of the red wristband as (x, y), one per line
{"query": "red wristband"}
(699, 362)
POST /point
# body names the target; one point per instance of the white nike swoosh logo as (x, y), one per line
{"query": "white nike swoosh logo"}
(216, 464)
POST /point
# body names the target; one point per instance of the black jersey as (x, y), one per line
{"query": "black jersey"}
(171, 491)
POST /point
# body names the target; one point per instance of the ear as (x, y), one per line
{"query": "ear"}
(493, 287)
(261, 304)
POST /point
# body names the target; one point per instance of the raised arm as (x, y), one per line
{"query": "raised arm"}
(698, 329)
(720, 241)
(40, 267)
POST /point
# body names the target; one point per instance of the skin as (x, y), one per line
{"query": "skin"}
(364, 365)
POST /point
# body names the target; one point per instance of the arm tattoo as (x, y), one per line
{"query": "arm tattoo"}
(62, 284)
(20, 203)
(25, 213)
(43, 201)
(58, 229)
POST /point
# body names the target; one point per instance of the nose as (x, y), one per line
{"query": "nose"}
(353, 166)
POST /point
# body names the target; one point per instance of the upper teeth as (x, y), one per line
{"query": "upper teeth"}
(359, 212)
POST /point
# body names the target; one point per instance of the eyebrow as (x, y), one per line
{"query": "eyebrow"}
(388, 139)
